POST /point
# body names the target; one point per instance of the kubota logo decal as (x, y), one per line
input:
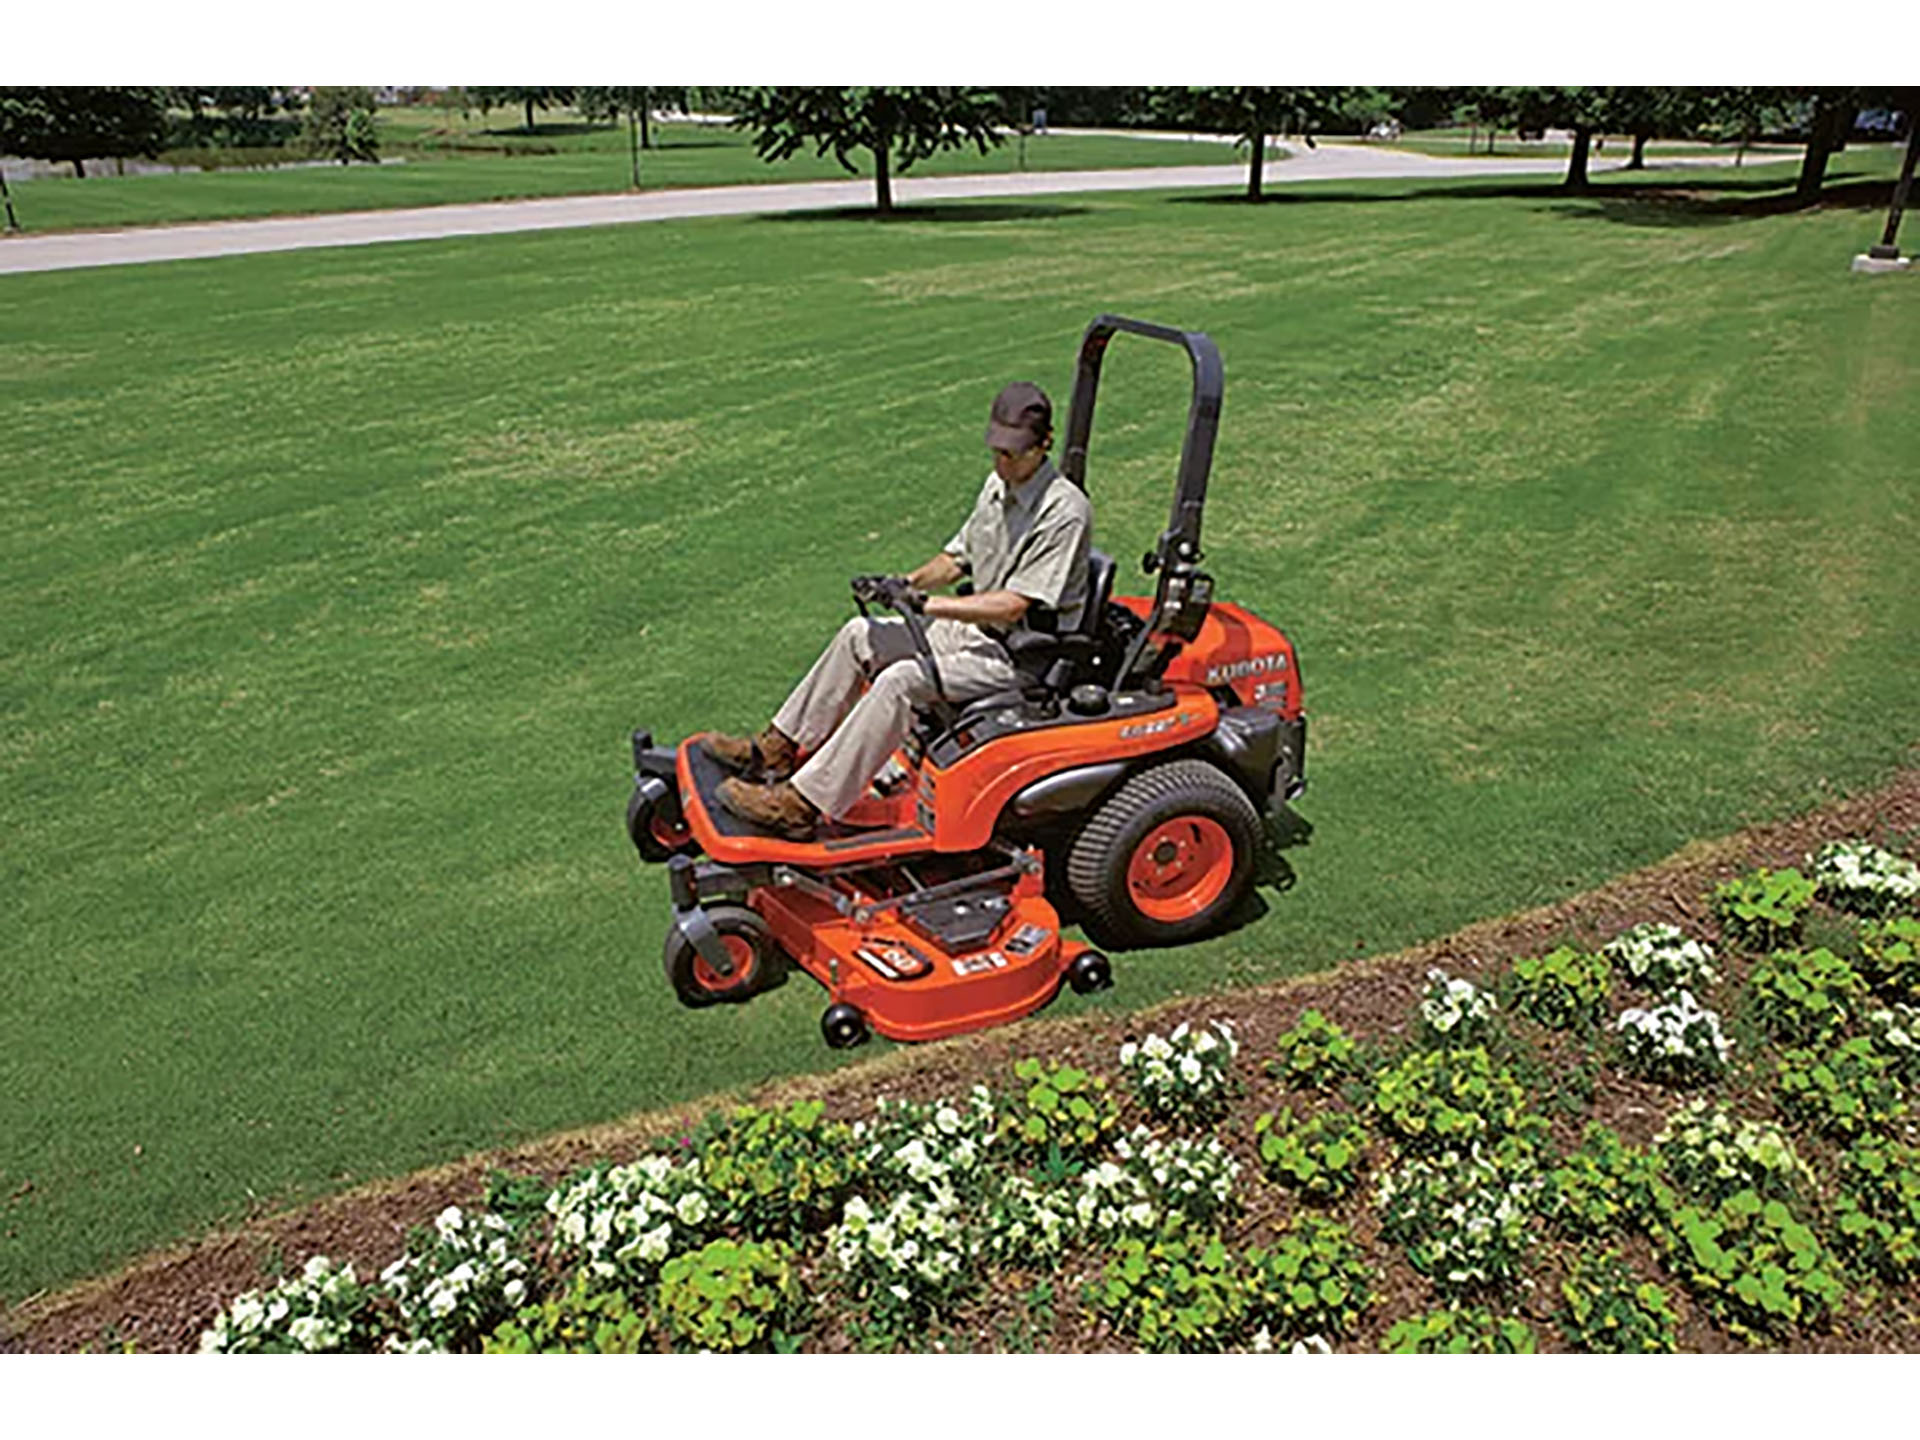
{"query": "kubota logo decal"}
(1256, 665)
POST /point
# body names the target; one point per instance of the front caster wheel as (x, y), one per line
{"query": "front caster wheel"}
(843, 1026)
(1089, 972)
(755, 959)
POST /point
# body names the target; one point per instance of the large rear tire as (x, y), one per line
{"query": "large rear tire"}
(1166, 857)
(757, 960)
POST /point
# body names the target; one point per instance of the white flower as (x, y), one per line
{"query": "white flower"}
(691, 1208)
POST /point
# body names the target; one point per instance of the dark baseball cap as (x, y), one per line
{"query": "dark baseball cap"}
(1022, 417)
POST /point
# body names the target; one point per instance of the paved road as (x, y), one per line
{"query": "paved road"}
(79, 250)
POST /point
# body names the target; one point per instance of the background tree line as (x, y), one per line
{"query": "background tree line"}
(895, 127)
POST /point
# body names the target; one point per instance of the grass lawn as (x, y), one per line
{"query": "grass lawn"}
(437, 166)
(333, 582)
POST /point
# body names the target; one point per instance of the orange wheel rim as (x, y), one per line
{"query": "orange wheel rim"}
(739, 951)
(1180, 868)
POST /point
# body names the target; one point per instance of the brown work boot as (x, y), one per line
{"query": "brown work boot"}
(774, 807)
(767, 756)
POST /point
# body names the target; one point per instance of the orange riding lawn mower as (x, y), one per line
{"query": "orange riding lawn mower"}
(1127, 774)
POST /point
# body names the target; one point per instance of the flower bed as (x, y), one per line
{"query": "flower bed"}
(1229, 1219)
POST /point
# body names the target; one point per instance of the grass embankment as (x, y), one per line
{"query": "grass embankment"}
(333, 582)
(438, 166)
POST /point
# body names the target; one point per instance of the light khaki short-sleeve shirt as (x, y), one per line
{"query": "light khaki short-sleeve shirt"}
(1032, 541)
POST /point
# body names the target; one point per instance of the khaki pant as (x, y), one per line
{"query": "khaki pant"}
(847, 735)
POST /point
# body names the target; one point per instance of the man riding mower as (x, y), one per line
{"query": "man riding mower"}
(896, 829)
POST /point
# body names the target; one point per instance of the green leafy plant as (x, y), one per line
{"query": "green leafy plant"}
(1320, 1156)
(1611, 1311)
(458, 1279)
(1762, 911)
(1756, 1268)
(1563, 988)
(909, 1260)
(1459, 1332)
(1890, 958)
(1876, 1216)
(1313, 1280)
(731, 1295)
(1661, 958)
(1186, 1076)
(1896, 1035)
(1604, 1187)
(1804, 997)
(1464, 1219)
(1846, 1093)
(323, 1308)
(1710, 1155)
(931, 1143)
(1864, 879)
(1455, 1011)
(1441, 1099)
(1063, 1110)
(1315, 1054)
(1173, 1293)
(624, 1221)
(586, 1318)
(1676, 1041)
(776, 1173)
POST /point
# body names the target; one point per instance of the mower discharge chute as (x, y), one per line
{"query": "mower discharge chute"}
(1128, 773)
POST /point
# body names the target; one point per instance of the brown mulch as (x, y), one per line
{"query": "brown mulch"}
(164, 1301)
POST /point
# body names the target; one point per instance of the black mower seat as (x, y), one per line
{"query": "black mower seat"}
(1038, 648)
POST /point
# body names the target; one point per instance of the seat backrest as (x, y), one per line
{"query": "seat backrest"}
(1100, 569)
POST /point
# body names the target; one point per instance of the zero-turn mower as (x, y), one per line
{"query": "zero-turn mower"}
(1128, 772)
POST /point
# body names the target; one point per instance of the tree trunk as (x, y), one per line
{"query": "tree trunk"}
(1830, 123)
(79, 168)
(1577, 166)
(882, 181)
(529, 117)
(1256, 171)
(7, 195)
(646, 105)
(1889, 247)
(633, 148)
(1639, 160)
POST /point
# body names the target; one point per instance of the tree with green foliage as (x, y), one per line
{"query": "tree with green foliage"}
(1740, 114)
(1646, 112)
(1254, 114)
(73, 124)
(898, 125)
(235, 114)
(631, 103)
(529, 97)
(340, 124)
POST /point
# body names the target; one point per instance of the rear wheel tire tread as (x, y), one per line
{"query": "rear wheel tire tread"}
(1099, 856)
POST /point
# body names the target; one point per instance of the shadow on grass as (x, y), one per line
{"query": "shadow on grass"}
(965, 211)
(1664, 202)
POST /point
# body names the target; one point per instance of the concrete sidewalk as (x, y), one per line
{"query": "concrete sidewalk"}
(82, 249)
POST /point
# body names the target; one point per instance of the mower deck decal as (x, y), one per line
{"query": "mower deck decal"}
(975, 964)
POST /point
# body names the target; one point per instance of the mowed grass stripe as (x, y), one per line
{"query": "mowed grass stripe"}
(334, 582)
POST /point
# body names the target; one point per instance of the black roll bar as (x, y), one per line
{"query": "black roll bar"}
(1183, 595)
(1182, 537)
